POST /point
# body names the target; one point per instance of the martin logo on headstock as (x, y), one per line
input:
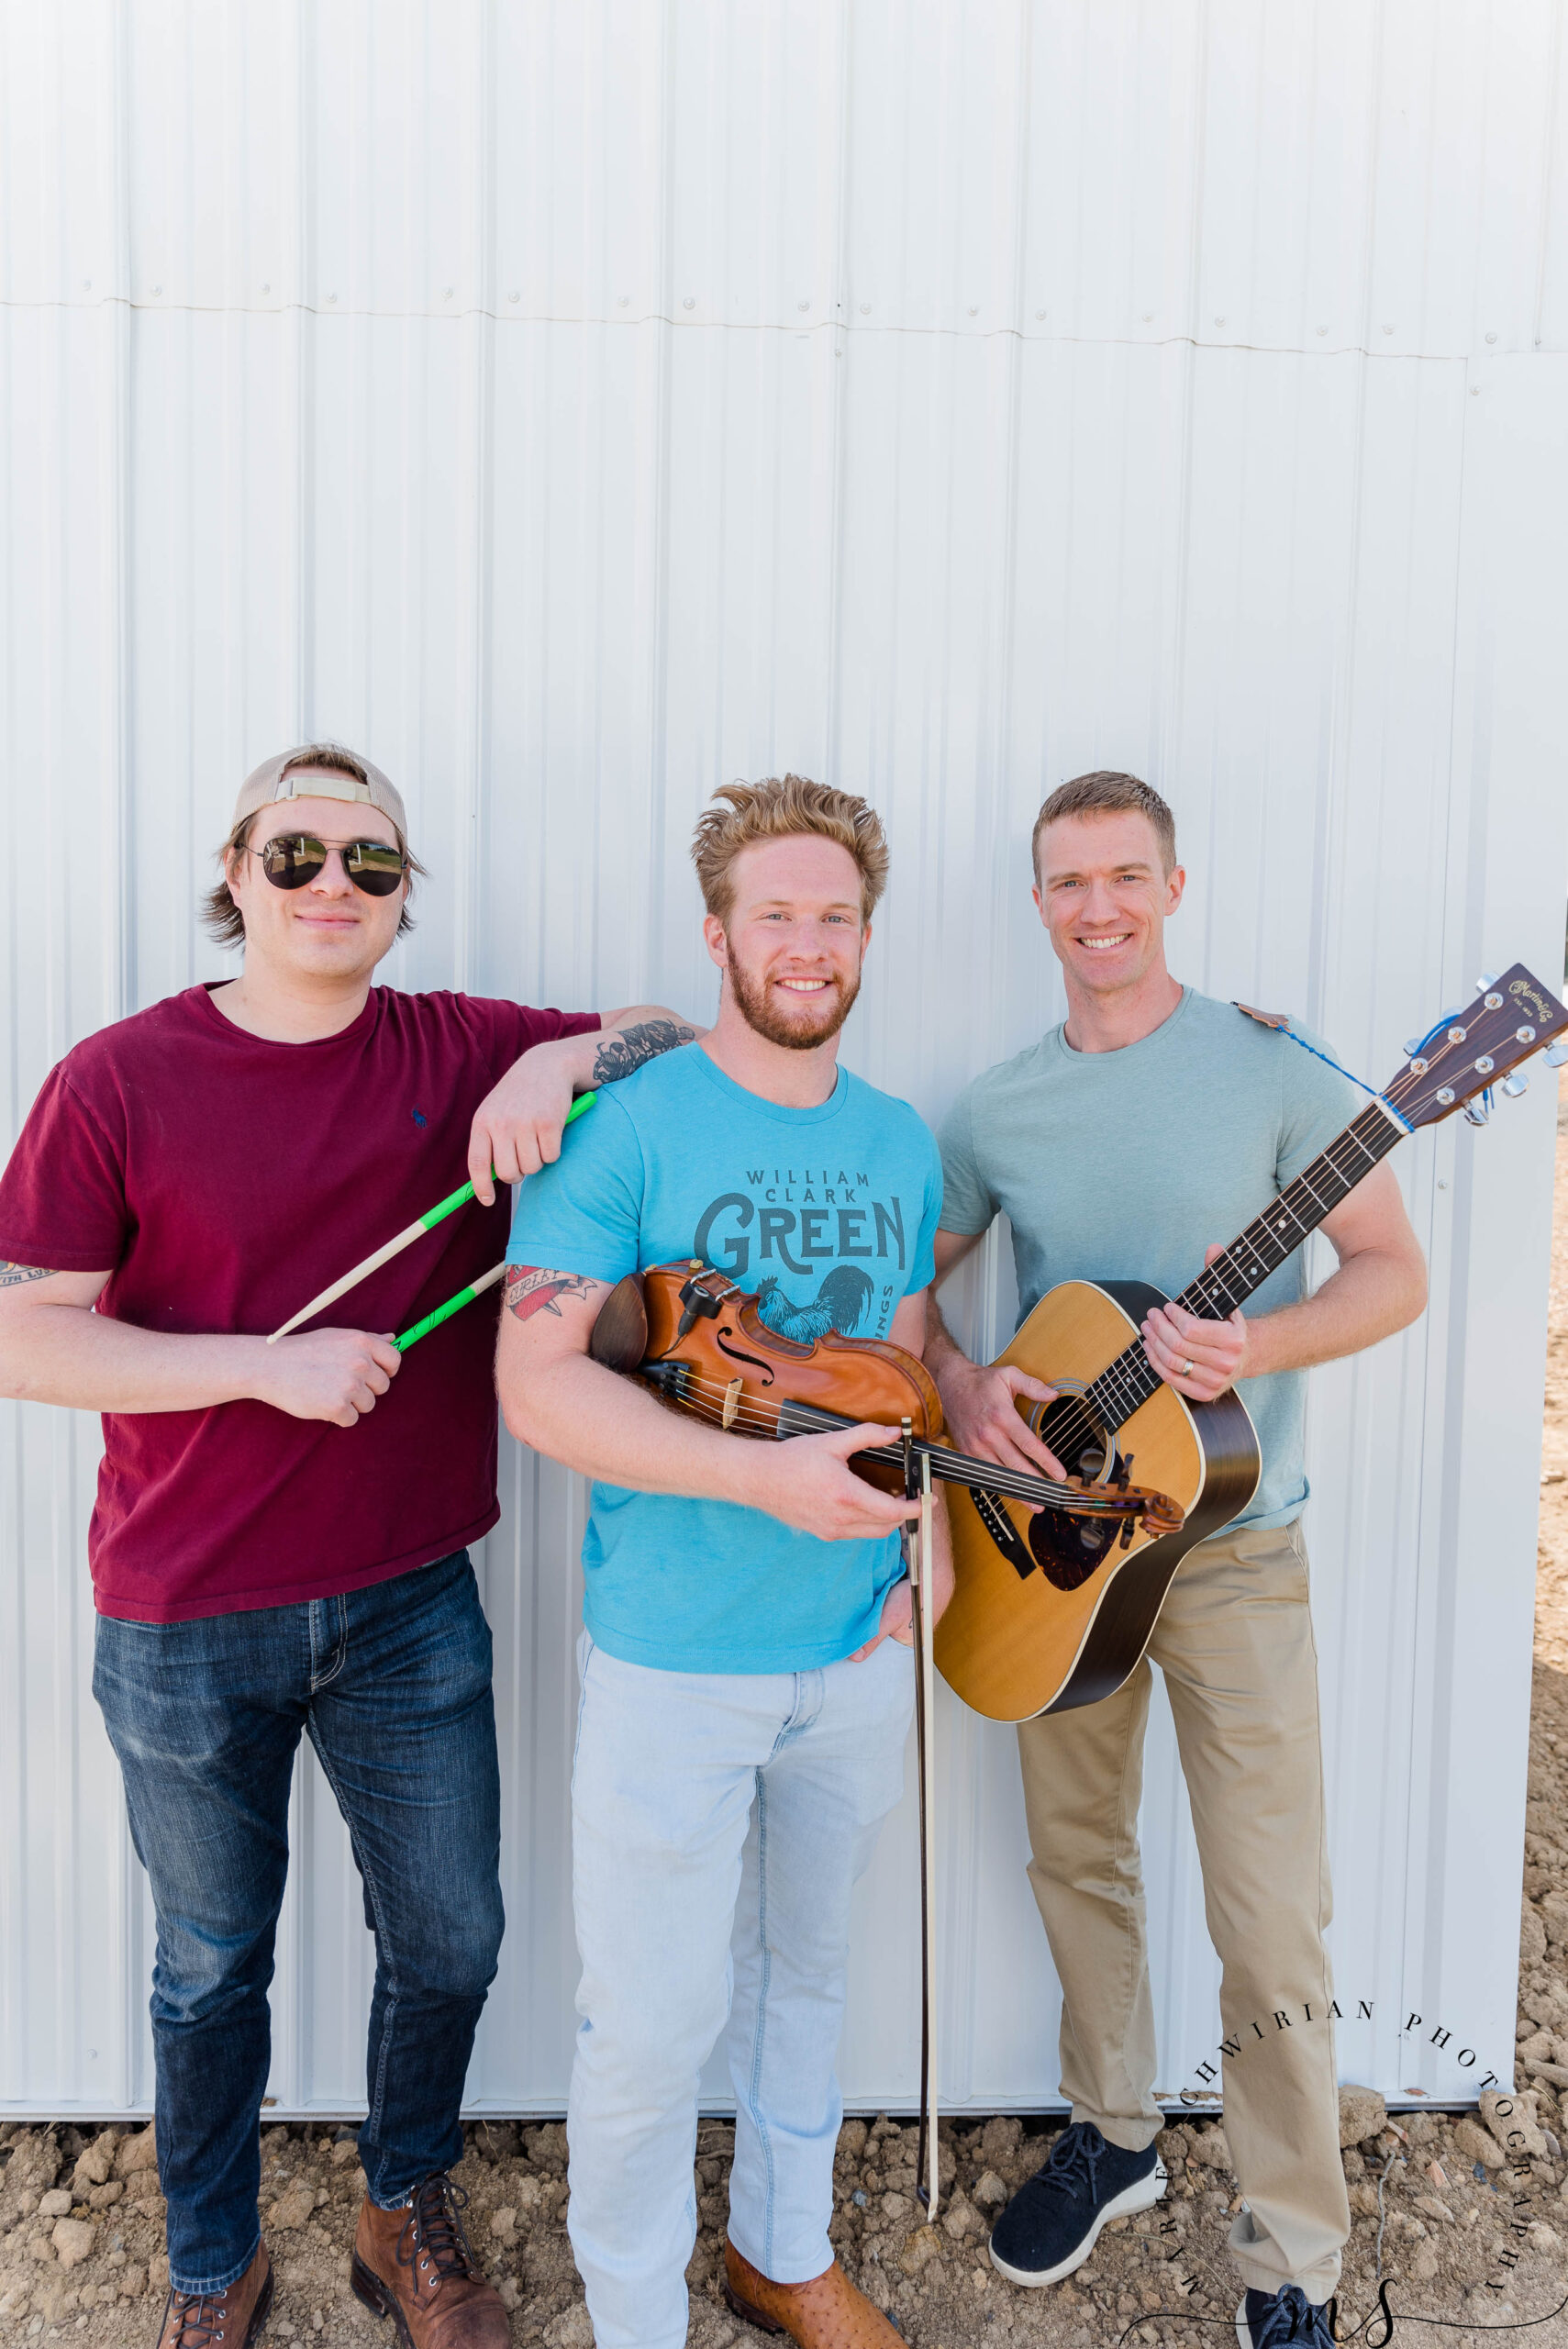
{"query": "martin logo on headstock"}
(1467, 1052)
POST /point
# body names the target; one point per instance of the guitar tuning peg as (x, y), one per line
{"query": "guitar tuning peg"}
(1487, 979)
(1479, 1110)
(1556, 1053)
(1413, 1045)
(1516, 1085)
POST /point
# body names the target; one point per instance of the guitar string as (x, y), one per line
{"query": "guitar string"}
(1131, 1379)
(1127, 1383)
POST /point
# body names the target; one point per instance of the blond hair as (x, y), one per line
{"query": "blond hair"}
(785, 807)
(1106, 793)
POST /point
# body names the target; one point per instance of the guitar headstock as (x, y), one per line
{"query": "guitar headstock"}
(1471, 1049)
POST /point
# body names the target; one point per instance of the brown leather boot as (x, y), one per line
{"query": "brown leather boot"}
(827, 2313)
(417, 2265)
(234, 2317)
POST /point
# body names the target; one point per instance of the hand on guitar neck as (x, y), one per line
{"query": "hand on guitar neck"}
(1200, 1358)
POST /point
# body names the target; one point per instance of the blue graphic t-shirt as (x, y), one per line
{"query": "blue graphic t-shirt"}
(828, 1215)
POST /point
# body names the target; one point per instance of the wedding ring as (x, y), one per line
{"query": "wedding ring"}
(1187, 1367)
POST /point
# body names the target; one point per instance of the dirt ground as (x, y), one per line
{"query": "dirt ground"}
(1472, 2218)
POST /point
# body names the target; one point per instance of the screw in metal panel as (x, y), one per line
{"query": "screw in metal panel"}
(514, 297)
(974, 313)
(802, 306)
(448, 295)
(1389, 330)
(158, 289)
(1040, 314)
(1147, 318)
(331, 297)
(1322, 330)
(1476, 391)
(865, 309)
(1491, 338)
(1219, 322)
(622, 300)
(86, 285)
(690, 302)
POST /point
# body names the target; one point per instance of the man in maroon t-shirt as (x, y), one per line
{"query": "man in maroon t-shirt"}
(279, 1542)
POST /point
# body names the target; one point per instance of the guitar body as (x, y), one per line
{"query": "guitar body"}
(1069, 1632)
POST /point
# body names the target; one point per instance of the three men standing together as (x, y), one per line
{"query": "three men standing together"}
(280, 1542)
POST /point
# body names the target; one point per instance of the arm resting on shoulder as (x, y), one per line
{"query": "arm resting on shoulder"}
(518, 1127)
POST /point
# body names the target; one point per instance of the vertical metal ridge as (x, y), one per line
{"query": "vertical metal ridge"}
(565, 562)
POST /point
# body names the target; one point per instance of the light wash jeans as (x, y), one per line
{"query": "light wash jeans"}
(719, 1822)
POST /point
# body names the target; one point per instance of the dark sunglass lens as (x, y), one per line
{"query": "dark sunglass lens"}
(289, 860)
(373, 866)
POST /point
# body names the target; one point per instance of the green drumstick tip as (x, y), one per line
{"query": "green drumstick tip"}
(466, 1296)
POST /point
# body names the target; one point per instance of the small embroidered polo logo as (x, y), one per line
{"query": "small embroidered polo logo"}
(418, 1117)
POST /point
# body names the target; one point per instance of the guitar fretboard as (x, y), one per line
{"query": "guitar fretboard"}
(1261, 1250)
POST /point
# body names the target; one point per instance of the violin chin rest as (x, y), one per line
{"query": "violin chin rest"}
(619, 1339)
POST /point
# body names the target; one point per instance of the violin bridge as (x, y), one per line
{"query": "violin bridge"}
(731, 1402)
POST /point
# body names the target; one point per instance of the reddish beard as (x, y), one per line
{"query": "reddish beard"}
(756, 1006)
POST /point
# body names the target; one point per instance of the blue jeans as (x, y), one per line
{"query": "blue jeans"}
(719, 1822)
(392, 1685)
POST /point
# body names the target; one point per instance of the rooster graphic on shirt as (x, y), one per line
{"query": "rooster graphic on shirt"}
(840, 1304)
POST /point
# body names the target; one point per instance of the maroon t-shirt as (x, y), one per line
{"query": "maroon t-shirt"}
(226, 1180)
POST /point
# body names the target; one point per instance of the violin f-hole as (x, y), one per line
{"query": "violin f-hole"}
(736, 1354)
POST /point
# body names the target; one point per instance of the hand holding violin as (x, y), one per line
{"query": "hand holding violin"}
(807, 1484)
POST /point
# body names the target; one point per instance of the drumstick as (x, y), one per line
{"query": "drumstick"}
(444, 1312)
(416, 1230)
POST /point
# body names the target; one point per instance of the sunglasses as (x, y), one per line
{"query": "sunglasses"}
(291, 859)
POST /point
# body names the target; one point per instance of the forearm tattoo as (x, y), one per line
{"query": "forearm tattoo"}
(13, 1275)
(629, 1047)
(529, 1291)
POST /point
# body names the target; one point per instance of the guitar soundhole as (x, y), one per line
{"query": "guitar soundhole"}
(1069, 1548)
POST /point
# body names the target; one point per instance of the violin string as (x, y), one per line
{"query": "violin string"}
(996, 1477)
(1037, 1489)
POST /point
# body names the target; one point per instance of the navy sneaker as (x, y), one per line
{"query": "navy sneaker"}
(1270, 2319)
(1053, 2225)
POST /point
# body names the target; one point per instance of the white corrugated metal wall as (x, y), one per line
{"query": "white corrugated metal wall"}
(577, 404)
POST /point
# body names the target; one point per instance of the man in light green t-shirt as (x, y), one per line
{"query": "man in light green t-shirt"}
(1133, 1141)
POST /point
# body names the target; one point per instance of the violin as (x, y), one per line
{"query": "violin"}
(699, 1341)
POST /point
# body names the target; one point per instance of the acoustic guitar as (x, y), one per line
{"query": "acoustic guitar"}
(1051, 1610)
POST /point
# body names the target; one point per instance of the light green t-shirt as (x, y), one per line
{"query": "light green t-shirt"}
(1125, 1165)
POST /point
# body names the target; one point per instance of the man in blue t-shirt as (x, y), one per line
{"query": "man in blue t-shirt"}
(745, 1676)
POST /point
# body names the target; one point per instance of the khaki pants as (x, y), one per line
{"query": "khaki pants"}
(1234, 1641)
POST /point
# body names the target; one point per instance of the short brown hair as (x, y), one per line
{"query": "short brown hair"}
(220, 917)
(782, 809)
(1105, 793)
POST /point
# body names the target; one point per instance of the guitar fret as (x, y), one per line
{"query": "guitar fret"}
(1268, 1241)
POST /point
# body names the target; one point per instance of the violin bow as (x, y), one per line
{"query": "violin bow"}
(919, 1556)
(406, 1238)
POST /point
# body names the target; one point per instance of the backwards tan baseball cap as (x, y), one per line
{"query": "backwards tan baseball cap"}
(296, 775)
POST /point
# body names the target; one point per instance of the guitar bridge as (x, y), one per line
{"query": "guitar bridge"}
(1000, 1527)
